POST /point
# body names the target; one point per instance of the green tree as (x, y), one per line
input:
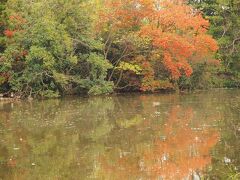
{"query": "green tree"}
(52, 50)
(2, 40)
(225, 24)
(2, 27)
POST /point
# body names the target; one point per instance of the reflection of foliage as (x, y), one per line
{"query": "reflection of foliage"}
(182, 151)
(226, 155)
(129, 123)
(123, 137)
(178, 153)
(48, 139)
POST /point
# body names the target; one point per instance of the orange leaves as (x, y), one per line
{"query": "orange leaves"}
(120, 14)
(168, 62)
(179, 16)
(181, 34)
(205, 43)
(174, 29)
(8, 33)
(175, 68)
(17, 18)
(16, 21)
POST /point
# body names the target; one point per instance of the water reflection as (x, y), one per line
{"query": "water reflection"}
(177, 151)
(118, 137)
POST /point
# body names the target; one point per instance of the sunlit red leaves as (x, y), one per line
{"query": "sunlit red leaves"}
(181, 34)
(177, 15)
(205, 44)
(115, 14)
(14, 29)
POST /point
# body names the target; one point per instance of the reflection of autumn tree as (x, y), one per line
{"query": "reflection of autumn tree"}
(179, 151)
(123, 137)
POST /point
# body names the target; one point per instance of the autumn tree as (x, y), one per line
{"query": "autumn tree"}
(158, 36)
(62, 47)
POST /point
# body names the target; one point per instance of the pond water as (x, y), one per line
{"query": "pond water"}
(130, 136)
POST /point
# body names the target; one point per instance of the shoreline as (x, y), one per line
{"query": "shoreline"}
(14, 99)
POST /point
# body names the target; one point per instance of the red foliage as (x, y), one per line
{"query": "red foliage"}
(5, 76)
(24, 53)
(176, 30)
(17, 21)
(8, 33)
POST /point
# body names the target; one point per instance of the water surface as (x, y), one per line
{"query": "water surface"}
(131, 136)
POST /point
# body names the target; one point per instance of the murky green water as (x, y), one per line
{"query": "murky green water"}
(123, 137)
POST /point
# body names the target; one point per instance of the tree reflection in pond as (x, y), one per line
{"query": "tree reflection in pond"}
(181, 151)
(119, 137)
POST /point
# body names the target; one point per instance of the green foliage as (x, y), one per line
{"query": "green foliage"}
(2, 39)
(98, 66)
(129, 67)
(123, 123)
(225, 24)
(226, 156)
(2, 8)
(198, 80)
(53, 50)
(101, 87)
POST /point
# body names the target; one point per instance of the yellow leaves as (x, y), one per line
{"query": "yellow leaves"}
(2, 79)
(130, 67)
(60, 78)
(124, 123)
(73, 59)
